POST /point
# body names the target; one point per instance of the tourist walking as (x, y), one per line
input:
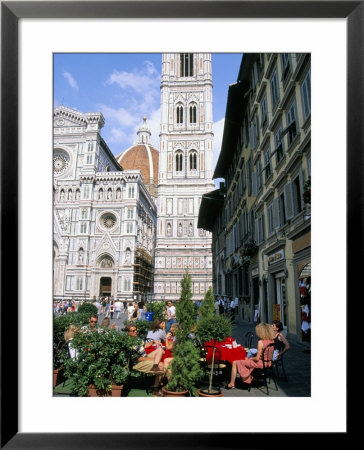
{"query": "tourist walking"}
(141, 310)
(171, 315)
(118, 306)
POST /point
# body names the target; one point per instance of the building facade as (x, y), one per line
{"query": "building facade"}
(185, 174)
(262, 229)
(104, 217)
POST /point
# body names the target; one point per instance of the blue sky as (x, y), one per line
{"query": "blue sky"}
(126, 86)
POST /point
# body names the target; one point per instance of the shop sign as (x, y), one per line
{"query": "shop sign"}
(276, 311)
(275, 257)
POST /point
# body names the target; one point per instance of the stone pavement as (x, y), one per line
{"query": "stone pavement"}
(297, 364)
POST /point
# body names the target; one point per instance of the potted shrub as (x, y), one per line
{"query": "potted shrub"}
(207, 307)
(216, 329)
(185, 366)
(102, 364)
(186, 370)
(60, 348)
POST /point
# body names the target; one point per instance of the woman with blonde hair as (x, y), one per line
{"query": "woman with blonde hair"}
(68, 336)
(245, 367)
(170, 342)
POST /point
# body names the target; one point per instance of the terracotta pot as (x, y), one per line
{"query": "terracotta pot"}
(174, 394)
(56, 375)
(204, 393)
(115, 391)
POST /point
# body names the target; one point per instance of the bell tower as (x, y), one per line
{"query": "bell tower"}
(185, 174)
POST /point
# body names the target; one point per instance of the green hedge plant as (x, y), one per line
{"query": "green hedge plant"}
(102, 361)
(88, 308)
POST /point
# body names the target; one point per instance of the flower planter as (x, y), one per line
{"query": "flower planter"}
(115, 391)
(56, 376)
(174, 394)
(215, 392)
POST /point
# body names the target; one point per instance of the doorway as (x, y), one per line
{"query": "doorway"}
(105, 286)
(281, 298)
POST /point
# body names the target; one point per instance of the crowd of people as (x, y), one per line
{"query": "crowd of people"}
(227, 306)
(105, 306)
(162, 336)
(66, 306)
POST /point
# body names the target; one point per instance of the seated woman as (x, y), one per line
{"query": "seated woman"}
(170, 342)
(157, 332)
(68, 336)
(281, 344)
(246, 366)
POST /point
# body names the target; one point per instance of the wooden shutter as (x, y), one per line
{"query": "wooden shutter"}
(276, 215)
(251, 139)
(288, 200)
(254, 183)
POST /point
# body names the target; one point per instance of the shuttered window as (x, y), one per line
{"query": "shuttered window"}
(306, 95)
(274, 88)
(288, 201)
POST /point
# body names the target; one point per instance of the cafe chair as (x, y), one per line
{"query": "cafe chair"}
(266, 373)
(220, 369)
(248, 339)
(279, 363)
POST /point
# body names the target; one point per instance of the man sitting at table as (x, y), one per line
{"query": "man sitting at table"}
(142, 362)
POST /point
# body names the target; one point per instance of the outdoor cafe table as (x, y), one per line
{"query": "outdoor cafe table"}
(228, 352)
(166, 354)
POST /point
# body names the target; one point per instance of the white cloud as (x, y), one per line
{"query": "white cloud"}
(116, 135)
(139, 93)
(140, 81)
(71, 81)
(121, 115)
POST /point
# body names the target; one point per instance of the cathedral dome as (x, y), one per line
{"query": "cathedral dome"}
(142, 156)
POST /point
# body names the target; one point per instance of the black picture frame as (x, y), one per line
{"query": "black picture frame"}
(11, 12)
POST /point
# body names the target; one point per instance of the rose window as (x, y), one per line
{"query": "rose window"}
(60, 163)
(108, 221)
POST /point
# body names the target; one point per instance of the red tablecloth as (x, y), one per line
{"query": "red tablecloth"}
(166, 354)
(227, 353)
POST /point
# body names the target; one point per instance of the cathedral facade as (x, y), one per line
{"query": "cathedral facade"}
(104, 217)
(126, 226)
(185, 174)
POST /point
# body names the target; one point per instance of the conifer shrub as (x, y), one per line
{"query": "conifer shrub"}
(186, 370)
(207, 308)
